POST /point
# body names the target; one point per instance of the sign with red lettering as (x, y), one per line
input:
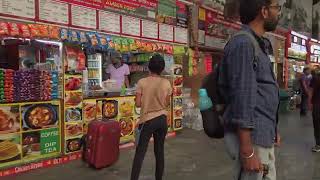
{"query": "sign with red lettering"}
(89, 3)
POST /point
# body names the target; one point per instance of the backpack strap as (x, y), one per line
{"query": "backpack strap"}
(253, 40)
(256, 47)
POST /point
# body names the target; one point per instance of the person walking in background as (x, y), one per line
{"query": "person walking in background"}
(305, 90)
(251, 93)
(315, 100)
(153, 96)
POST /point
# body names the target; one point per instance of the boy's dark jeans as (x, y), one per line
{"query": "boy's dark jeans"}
(157, 128)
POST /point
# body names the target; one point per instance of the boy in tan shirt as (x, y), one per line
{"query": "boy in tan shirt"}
(153, 96)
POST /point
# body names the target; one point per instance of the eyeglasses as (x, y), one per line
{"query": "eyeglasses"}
(278, 7)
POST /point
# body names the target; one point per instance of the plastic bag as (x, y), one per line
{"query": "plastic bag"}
(14, 29)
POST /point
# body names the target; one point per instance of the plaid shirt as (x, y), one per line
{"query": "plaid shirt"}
(251, 91)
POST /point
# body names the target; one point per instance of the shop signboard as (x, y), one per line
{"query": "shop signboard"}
(29, 132)
(298, 46)
(315, 51)
(24, 9)
(88, 3)
(54, 12)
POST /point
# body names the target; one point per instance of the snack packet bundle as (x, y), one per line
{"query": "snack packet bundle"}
(64, 34)
(132, 44)
(73, 36)
(111, 44)
(104, 42)
(83, 37)
(43, 31)
(124, 45)
(54, 32)
(24, 31)
(4, 29)
(34, 30)
(13, 29)
(117, 43)
(93, 39)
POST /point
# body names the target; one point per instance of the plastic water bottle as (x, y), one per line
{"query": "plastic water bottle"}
(204, 101)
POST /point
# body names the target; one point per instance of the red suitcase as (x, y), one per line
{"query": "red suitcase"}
(102, 143)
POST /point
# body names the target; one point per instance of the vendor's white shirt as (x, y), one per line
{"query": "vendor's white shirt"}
(118, 74)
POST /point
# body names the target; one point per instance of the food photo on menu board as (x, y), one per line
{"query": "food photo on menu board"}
(73, 83)
(126, 108)
(9, 119)
(90, 111)
(73, 145)
(38, 116)
(109, 109)
(73, 114)
(10, 148)
(40, 143)
(74, 130)
(126, 125)
(73, 98)
(31, 144)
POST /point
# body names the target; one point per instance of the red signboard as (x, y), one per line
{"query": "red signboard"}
(130, 5)
(89, 3)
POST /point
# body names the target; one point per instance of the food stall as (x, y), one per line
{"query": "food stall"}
(53, 59)
(30, 116)
(296, 52)
(314, 51)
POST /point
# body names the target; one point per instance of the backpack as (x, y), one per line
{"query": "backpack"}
(212, 118)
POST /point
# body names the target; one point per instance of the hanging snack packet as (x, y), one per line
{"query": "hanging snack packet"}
(83, 38)
(24, 31)
(154, 47)
(14, 29)
(54, 32)
(44, 31)
(124, 45)
(73, 36)
(34, 30)
(4, 29)
(138, 44)
(132, 45)
(64, 34)
(117, 43)
(104, 42)
(93, 39)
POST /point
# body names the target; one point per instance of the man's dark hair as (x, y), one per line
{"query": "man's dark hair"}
(249, 9)
(156, 64)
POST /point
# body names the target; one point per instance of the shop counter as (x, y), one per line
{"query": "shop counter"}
(118, 108)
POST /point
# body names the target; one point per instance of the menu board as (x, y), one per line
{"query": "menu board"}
(109, 22)
(149, 29)
(73, 97)
(28, 132)
(165, 32)
(130, 26)
(181, 35)
(84, 17)
(21, 8)
(53, 11)
(121, 109)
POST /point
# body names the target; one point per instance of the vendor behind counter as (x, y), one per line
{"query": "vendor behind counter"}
(118, 71)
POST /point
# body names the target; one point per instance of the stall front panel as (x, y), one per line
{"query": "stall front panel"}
(29, 132)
